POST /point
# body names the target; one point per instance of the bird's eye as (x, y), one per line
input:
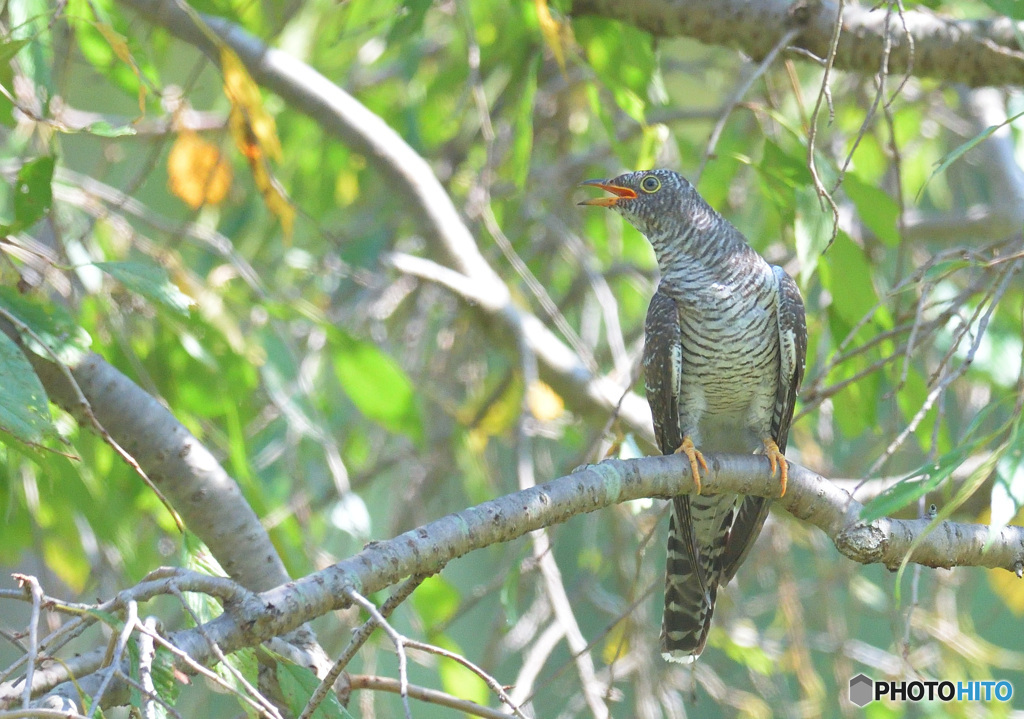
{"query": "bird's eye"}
(650, 184)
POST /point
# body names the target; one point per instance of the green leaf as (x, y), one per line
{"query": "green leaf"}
(1010, 8)
(51, 323)
(24, 408)
(298, 684)
(105, 129)
(518, 162)
(152, 282)
(458, 679)
(10, 48)
(409, 21)
(812, 228)
(960, 151)
(436, 601)
(607, 43)
(878, 211)
(928, 477)
(376, 384)
(33, 193)
(851, 285)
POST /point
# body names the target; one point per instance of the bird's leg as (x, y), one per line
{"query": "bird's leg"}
(777, 460)
(695, 457)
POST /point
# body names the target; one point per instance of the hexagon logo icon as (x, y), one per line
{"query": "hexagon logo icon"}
(861, 690)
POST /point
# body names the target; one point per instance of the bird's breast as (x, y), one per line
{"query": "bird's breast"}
(730, 352)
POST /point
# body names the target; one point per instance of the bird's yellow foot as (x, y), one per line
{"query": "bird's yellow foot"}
(777, 460)
(695, 457)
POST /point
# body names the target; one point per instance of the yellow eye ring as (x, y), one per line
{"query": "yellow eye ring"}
(650, 184)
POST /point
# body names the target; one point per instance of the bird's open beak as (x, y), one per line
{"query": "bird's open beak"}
(620, 193)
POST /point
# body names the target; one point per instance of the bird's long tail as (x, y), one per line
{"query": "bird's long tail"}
(691, 586)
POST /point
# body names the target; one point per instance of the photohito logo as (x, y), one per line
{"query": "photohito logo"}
(864, 690)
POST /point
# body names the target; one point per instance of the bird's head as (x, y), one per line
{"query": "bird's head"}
(653, 201)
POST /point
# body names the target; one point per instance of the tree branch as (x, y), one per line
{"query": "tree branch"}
(427, 549)
(974, 52)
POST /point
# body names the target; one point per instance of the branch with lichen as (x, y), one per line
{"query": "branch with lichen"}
(427, 549)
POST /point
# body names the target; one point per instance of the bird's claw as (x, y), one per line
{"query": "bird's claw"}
(696, 458)
(777, 460)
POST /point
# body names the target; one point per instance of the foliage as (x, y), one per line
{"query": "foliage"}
(231, 255)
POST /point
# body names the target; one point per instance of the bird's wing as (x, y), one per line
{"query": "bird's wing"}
(689, 597)
(750, 516)
(663, 362)
(792, 353)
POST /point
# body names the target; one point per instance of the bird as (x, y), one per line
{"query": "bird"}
(724, 353)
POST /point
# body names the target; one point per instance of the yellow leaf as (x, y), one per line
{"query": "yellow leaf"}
(252, 117)
(1005, 584)
(555, 33)
(197, 172)
(1009, 588)
(544, 402)
(255, 133)
(616, 643)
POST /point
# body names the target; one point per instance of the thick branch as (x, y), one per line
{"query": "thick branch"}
(974, 52)
(427, 549)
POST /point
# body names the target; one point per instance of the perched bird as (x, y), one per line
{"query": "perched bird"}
(723, 358)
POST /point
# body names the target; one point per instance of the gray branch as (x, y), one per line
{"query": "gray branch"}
(974, 52)
(429, 548)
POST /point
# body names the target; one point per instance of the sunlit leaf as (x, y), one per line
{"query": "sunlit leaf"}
(607, 43)
(152, 282)
(436, 600)
(556, 34)
(457, 679)
(616, 643)
(544, 402)
(376, 384)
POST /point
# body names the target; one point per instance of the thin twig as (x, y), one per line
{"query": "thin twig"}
(433, 696)
(825, 94)
(359, 637)
(739, 94)
(130, 622)
(36, 591)
(491, 682)
(147, 653)
(397, 639)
